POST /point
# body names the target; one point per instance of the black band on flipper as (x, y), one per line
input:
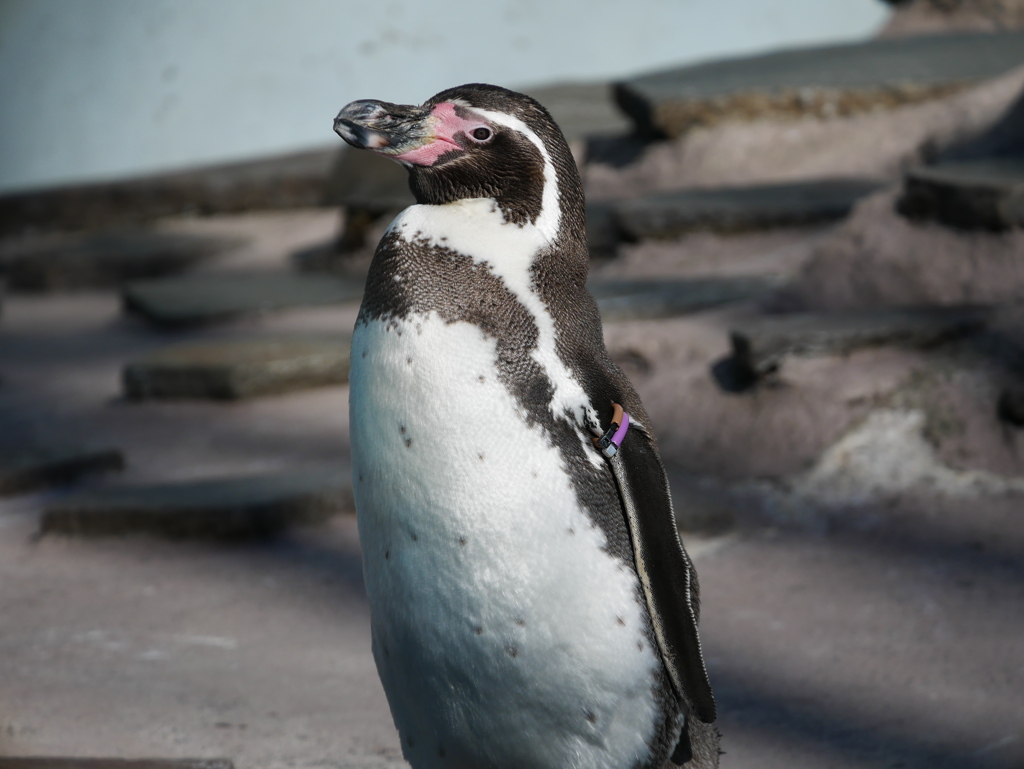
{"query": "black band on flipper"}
(660, 560)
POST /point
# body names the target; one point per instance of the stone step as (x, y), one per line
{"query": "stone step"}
(225, 508)
(363, 181)
(209, 297)
(292, 180)
(47, 762)
(620, 300)
(821, 82)
(583, 110)
(238, 368)
(985, 194)
(759, 346)
(700, 507)
(103, 260)
(30, 469)
(737, 209)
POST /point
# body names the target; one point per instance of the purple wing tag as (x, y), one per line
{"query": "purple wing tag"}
(609, 442)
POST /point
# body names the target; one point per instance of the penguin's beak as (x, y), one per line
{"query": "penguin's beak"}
(405, 133)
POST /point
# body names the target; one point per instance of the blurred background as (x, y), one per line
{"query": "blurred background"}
(806, 225)
(113, 88)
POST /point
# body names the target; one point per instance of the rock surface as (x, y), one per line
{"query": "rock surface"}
(760, 345)
(736, 209)
(41, 762)
(700, 508)
(261, 651)
(225, 508)
(582, 110)
(205, 298)
(823, 82)
(983, 194)
(228, 370)
(35, 468)
(362, 180)
(877, 145)
(620, 300)
(104, 259)
(879, 258)
(917, 17)
(295, 180)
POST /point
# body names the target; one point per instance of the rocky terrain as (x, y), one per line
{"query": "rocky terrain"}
(811, 264)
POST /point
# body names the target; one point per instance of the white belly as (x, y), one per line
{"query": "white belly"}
(503, 633)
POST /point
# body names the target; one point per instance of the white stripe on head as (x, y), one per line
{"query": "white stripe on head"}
(550, 211)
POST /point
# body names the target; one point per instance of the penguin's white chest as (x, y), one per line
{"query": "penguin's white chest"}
(504, 634)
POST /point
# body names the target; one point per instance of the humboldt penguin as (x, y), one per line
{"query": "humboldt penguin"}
(532, 606)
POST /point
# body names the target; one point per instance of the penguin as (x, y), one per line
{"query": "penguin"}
(532, 606)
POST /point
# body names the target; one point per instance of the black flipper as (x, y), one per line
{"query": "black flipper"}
(666, 574)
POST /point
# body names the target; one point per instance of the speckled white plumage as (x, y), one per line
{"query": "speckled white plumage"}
(504, 635)
(476, 228)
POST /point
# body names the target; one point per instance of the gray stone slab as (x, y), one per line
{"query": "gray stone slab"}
(228, 508)
(238, 368)
(602, 231)
(649, 299)
(977, 194)
(363, 181)
(209, 297)
(825, 82)
(1010, 405)
(47, 762)
(30, 469)
(700, 507)
(737, 209)
(102, 260)
(294, 180)
(759, 346)
(583, 110)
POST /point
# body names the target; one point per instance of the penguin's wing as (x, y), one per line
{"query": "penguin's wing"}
(667, 576)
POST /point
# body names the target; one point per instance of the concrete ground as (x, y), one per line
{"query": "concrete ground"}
(879, 632)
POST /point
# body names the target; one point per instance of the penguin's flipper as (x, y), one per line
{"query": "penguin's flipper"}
(667, 576)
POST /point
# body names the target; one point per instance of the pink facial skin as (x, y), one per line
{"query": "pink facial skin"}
(446, 125)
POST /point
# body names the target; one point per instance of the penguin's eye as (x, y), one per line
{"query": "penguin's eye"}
(481, 134)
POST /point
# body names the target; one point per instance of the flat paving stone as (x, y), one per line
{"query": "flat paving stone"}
(238, 368)
(983, 194)
(46, 762)
(30, 469)
(824, 82)
(649, 299)
(292, 180)
(246, 507)
(738, 209)
(700, 508)
(759, 346)
(365, 181)
(102, 260)
(206, 298)
(602, 231)
(583, 110)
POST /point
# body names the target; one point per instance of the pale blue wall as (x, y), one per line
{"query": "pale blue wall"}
(93, 89)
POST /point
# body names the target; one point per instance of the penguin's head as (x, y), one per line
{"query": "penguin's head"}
(474, 141)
